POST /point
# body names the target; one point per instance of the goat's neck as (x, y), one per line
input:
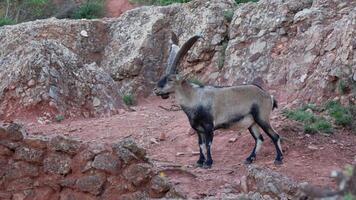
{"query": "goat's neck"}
(185, 93)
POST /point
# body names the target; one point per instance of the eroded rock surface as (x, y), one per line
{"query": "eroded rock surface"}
(58, 169)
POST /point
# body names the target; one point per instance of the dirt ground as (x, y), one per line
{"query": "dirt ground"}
(115, 8)
(171, 146)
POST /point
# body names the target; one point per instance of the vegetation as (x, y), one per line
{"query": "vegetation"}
(59, 118)
(340, 115)
(228, 15)
(312, 124)
(342, 87)
(221, 59)
(90, 10)
(196, 81)
(128, 99)
(6, 21)
(158, 2)
(349, 196)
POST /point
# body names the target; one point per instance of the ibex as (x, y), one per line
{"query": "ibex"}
(209, 108)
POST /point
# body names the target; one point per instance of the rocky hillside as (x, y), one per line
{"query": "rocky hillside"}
(301, 49)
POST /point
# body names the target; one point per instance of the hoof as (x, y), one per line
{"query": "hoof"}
(278, 162)
(206, 166)
(199, 165)
(249, 161)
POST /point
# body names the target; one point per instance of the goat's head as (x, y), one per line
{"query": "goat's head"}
(166, 85)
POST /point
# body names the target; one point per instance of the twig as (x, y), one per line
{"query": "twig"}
(177, 108)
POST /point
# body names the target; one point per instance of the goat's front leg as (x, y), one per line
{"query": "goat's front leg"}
(209, 142)
(201, 160)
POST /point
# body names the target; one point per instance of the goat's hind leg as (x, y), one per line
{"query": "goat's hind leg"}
(267, 128)
(255, 132)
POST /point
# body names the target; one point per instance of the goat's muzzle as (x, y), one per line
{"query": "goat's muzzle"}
(160, 93)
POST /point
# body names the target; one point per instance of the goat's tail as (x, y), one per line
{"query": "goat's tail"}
(274, 103)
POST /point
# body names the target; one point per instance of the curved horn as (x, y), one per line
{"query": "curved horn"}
(172, 52)
(174, 38)
(182, 51)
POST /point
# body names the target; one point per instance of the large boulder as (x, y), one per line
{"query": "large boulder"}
(52, 66)
(137, 50)
(302, 49)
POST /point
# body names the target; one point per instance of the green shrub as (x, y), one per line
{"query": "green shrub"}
(300, 115)
(196, 81)
(245, 1)
(221, 59)
(312, 124)
(341, 114)
(37, 8)
(228, 15)
(342, 87)
(349, 196)
(90, 10)
(59, 118)
(128, 99)
(319, 125)
(6, 21)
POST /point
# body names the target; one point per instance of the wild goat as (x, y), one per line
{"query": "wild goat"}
(209, 107)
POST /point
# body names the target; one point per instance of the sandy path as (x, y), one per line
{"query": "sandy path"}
(149, 123)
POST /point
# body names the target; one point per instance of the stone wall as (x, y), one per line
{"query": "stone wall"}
(63, 168)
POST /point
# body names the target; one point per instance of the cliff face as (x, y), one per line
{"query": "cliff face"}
(302, 50)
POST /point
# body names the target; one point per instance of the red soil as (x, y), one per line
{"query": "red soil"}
(307, 158)
(115, 8)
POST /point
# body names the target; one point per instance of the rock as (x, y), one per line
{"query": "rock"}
(153, 141)
(20, 170)
(50, 46)
(138, 174)
(313, 147)
(43, 193)
(92, 184)
(5, 195)
(69, 182)
(29, 154)
(31, 83)
(269, 182)
(84, 33)
(107, 163)
(37, 142)
(135, 195)
(232, 140)
(4, 151)
(96, 102)
(162, 137)
(128, 150)
(68, 194)
(20, 184)
(159, 187)
(57, 163)
(13, 132)
(9, 144)
(63, 144)
(243, 183)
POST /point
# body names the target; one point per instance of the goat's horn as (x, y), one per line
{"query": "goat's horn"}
(174, 39)
(182, 51)
(172, 54)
